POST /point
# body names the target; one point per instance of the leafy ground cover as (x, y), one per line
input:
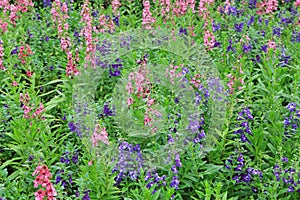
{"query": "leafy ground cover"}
(143, 100)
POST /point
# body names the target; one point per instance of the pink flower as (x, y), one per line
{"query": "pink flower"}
(129, 101)
(148, 20)
(297, 3)
(43, 179)
(115, 5)
(40, 194)
(209, 39)
(3, 26)
(271, 44)
(29, 73)
(102, 136)
(15, 83)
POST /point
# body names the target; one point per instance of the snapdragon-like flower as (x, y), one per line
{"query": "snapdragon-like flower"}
(230, 48)
(252, 4)
(175, 182)
(148, 20)
(129, 163)
(287, 175)
(251, 21)
(244, 116)
(295, 37)
(182, 31)
(43, 179)
(239, 27)
(242, 174)
(1, 56)
(153, 179)
(99, 136)
(292, 123)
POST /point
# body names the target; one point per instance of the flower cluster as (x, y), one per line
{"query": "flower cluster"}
(234, 82)
(242, 174)
(47, 3)
(180, 7)
(25, 104)
(1, 56)
(165, 8)
(18, 6)
(43, 179)
(59, 13)
(74, 128)
(154, 179)
(59, 179)
(66, 158)
(115, 5)
(64, 177)
(22, 55)
(86, 195)
(115, 68)
(195, 127)
(290, 178)
(209, 40)
(129, 163)
(102, 136)
(177, 164)
(106, 23)
(243, 117)
(148, 20)
(171, 73)
(107, 111)
(139, 85)
(82, 125)
(215, 90)
(267, 7)
(3, 26)
(292, 123)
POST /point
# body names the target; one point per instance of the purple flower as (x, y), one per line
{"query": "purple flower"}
(86, 195)
(295, 37)
(116, 20)
(291, 106)
(47, 3)
(14, 51)
(290, 189)
(30, 158)
(95, 13)
(251, 21)
(216, 44)
(267, 22)
(216, 27)
(28, 32)
(252, 4)
(246, 48)
(129, 162)
(182, 31)
(184, 71)
(107, 111)
(73, 127)
(75, 158)
(239, 27)
(277, 31)
(175, 183)
(58, 179)
(265, 48)
(230, 48)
